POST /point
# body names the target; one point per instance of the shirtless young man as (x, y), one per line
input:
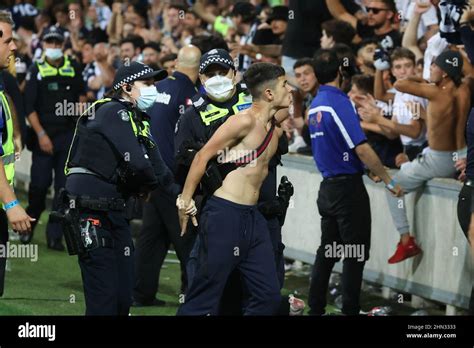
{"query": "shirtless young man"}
(233, 233)
(446, 114)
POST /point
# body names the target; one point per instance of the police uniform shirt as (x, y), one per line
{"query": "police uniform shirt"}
(112, 121)
(2, 121)
(2, 125)
(191, 126)
(174, 97)
(49, 96)
(335, 132)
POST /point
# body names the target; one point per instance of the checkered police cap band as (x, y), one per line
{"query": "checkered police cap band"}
(215, 59)
(132, 78)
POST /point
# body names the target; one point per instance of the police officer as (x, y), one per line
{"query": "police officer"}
(340, 151)
(113, 157)
(54, 86)
(466, 198)
(11, 211)
(223, 98)
(160, 217)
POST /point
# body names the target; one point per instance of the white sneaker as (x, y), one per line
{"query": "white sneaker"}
(297, 143)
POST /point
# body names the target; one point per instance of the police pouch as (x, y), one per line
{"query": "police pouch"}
(212, 178)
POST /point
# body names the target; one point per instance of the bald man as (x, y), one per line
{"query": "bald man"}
(160, 218)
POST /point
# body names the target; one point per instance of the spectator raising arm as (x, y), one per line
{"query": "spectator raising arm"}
(410, 38)
(416, 86)
(200, 10)
(339, 12)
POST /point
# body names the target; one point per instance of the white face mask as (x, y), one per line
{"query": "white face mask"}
(53, 53)
(219, 88)
(147, 97)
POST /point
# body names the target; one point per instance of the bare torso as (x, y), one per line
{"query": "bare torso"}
(242, 185)
(442, 120)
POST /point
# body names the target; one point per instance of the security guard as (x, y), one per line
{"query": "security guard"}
(113, 157)
(222, 99)
(160, 217)
(54, 86)
(11, 211)
(340, 151)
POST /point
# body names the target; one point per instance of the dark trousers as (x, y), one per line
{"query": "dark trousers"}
(160, 228)
(107, 272)
(42, 168)
(344, 208)
(3, 243)
(235, 294)
(465, 209)
(231, 236)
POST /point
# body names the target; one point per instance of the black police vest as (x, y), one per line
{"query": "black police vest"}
(57, 93)
(92, 151)
(213, 116)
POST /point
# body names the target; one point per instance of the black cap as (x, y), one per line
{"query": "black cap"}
(53, 33)
(136, 71)
(217, 56)
(278, 13)
(451, 63)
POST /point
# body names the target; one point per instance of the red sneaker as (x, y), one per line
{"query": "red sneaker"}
(403, 252)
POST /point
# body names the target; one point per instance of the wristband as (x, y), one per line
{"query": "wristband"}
(11, 204)
(41, 134)
(391, 185)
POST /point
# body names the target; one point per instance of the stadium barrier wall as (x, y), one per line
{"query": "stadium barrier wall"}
(444, 271)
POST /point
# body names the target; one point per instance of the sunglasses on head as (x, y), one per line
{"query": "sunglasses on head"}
(375, 10)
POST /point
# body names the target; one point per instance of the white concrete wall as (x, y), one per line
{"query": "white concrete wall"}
(442, 273)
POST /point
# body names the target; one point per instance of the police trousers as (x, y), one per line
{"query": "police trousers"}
(107, 272)
(344, 207)
(160, 229)
(42, 168)
(231, 236)
(465, 210)
(3, 243)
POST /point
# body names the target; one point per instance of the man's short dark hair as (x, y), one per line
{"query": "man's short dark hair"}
(135, 40)
(153, 45)
(340, 31)
(244, 9)
(207, 42)
(364, 83)
(167, 58)
(302, 62)
(260, 76)
(326, 66)
(366, 42)
(390, 5)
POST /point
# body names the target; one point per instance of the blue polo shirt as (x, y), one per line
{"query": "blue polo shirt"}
(335, 132)
(174, 96)
(470, 146)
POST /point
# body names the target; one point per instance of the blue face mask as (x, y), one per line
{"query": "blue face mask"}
(53, 53)
(147, 97)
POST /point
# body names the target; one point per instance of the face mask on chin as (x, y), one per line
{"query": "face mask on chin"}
(53, 53)
(219, 88)
(147, 98)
